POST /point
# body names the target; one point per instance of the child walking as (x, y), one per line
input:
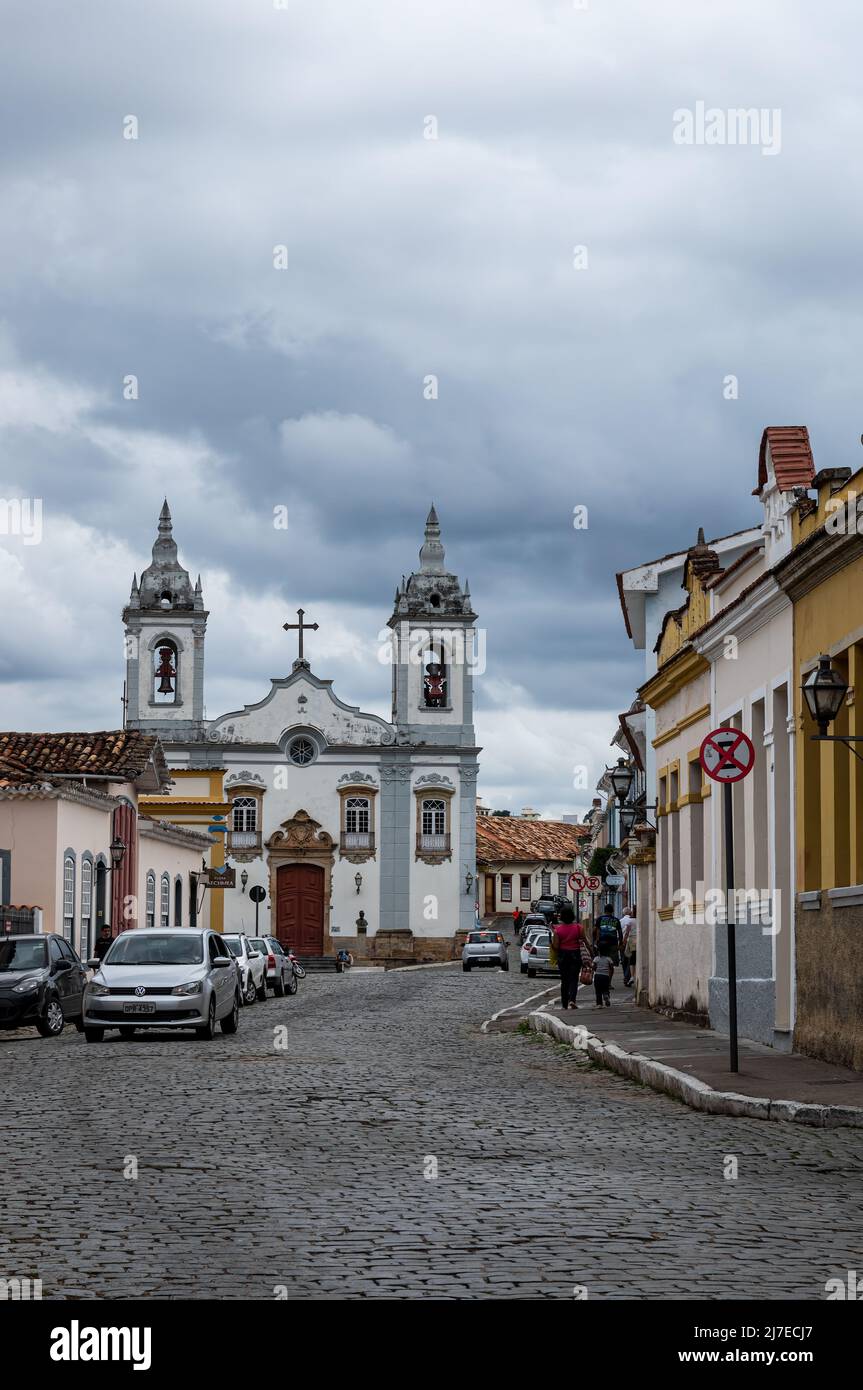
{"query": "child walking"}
(603, 969)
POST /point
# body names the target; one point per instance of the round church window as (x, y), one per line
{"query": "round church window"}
(302, 751)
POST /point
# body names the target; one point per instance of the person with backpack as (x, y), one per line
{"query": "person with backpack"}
(609, 934)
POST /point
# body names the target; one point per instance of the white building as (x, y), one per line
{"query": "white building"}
(361, 831)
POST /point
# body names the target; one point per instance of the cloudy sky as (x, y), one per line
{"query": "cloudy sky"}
(566, 378)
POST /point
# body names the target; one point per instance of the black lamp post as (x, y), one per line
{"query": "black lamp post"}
(627, 816)
(620, 778)
(824, 691)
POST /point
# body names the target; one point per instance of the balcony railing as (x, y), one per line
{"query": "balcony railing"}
(244, 841)
(357, 841)
(433, 844)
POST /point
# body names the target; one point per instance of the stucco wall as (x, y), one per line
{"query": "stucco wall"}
(829, 974)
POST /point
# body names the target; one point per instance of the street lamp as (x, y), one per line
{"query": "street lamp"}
(468, 880)
(358, 880)
(620, 778)
(118, 851)
(627, 816)
(244, 878)
(824, 691)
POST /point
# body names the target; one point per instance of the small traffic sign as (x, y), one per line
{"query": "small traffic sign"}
(577, 881)
(615, 880)
(727, 755)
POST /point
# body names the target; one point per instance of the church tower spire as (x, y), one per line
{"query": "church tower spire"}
(432, 555)
(165, 623)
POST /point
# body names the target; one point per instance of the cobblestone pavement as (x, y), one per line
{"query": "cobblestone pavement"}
(306, 1168)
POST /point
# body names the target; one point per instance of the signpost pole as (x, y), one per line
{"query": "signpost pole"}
(730, 923)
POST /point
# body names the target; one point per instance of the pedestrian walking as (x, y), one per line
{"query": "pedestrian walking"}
(568, 938)
(517, 919)
(610, 934)
(603, 969)
(629, 942)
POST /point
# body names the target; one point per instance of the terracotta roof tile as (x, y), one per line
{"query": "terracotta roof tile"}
(120, 753)
(791, 455)
(518, 841)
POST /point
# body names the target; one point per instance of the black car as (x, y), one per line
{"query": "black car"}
(41, 983)
(549, 907)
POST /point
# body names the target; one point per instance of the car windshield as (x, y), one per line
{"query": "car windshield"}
(234, 945)
(258, 945)
(23, 955)
(149, 948)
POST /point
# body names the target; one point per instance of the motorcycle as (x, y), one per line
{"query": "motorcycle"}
(298, 970)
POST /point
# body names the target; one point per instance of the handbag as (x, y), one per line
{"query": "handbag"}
(586, 976)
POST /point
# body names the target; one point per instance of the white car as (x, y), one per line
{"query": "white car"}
(537, 955)
(529, 940)
(252, 965)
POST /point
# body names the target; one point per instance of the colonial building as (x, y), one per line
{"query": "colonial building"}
(64, 799)
(519, 860)
(360, 830)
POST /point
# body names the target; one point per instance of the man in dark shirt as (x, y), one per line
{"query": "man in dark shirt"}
(105, 939)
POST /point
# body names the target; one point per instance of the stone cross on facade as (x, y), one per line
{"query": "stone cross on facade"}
(301, 627)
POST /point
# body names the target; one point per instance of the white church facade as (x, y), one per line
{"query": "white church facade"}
(360, 831)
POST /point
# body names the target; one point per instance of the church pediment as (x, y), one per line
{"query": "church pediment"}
(300, 700)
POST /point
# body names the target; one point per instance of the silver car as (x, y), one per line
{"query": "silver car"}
(537, 950)
(163, 977)
(484, 948)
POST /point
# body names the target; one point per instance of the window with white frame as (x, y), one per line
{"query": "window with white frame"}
(433, 824)
(562, 885)
(244, 822)
(151, 899)
(68, 897)
(165, 902)
(357, 831)
(524, 888)
(506, 888)
(86, 907)
(545, 885)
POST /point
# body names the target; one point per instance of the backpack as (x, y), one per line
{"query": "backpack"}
(608, 928)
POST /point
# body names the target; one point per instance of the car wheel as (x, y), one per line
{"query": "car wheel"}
(279, 987)
(207, 1030)
(94, 1034)
(231, 1021)
(262, 992)
(50, 1025)
(531, 974)
(250, 993)
(293, 984)
(465, 967)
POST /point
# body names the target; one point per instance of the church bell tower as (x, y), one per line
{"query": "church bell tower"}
(433, 651)
(165, 625)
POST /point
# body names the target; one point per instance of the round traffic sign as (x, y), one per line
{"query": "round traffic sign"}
(727, 755)
(577, 881)
(257, 894)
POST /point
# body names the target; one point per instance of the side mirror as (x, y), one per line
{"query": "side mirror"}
(221, 961)
(93, 964)
(61, 966)
(254, 955)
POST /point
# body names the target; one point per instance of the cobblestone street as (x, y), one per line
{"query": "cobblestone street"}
(305, 1168)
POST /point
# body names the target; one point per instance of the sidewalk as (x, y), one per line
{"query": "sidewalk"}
(693, 1063)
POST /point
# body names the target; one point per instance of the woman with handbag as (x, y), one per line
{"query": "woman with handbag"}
(568, 939)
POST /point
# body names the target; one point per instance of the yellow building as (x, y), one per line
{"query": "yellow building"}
(197, 796)
(823, 576)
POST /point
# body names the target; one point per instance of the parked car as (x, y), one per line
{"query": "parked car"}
(252, 965)
(529, 938)
(549, 907)
(279, 967)
(537, 955)
(41, 983)
(484, 948)
(532, 921)
(166, 977)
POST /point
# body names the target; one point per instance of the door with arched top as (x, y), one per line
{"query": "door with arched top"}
(300, 908)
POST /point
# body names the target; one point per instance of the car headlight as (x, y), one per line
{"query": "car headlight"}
(93, 988)
(190, 987)
(25, 987)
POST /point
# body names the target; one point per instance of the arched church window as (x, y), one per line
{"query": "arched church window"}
(151, 899)
(302, 752)
(165, 902)
(165, 670)
(357, 815)
(245, 813)
(433, 824)
(68, 897)
(435, 677)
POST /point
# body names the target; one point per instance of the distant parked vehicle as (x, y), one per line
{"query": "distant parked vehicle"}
(279, 967)
(167, 977)
(538, 955)
(532, 921)
(252, 965)
(549, 907)
(41, 983)
(529, 939)
(484, 948)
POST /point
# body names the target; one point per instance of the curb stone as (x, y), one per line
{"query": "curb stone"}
(693, 1092)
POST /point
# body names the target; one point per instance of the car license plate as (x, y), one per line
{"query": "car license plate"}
(139, 1008)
